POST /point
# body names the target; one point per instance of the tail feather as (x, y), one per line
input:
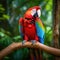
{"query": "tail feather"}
(32, 55)
(38, 54)
(35, 54)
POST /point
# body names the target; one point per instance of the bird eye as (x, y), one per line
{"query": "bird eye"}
(39, 12)
(33, 11)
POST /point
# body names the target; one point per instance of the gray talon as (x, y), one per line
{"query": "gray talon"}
(23, 42)
(33, 41)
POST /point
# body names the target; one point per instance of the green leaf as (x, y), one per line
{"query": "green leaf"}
(6, 16)
(2, 34)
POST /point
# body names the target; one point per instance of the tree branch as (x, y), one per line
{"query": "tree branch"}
(37, 45)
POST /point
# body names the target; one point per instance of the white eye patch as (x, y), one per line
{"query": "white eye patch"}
(33, 11)
(39, 12)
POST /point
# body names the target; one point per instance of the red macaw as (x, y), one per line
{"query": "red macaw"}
(31, 27)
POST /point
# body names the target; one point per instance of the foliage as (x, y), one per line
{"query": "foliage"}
(10, 33)
(3, 15)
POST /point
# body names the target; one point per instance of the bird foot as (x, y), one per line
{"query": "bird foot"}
(23, 42)
(33, 42)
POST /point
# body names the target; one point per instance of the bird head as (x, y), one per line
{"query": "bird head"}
(33, 12)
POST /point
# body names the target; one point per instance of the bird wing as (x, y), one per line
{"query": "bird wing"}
(40, 30)
(21, 27)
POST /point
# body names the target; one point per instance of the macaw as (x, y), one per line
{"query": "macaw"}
(31, 27)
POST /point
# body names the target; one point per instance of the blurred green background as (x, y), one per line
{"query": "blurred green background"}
(10, 12)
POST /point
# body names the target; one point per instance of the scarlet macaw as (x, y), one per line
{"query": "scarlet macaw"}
(31, 27)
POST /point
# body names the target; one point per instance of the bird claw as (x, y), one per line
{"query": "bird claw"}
(23, 42)
(33, 42)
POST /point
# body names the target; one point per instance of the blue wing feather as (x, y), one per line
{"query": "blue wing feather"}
(40, 33)
(20, 30)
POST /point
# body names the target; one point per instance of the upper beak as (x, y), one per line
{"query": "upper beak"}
(35, 15)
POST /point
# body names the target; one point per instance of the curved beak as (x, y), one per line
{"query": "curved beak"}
(35, 15)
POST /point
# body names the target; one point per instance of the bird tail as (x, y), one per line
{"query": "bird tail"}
(32, 57)
(35, 54)
(38, 54)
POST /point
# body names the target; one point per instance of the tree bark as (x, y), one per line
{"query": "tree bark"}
(37, 45)
(56, 24)
(59, 22)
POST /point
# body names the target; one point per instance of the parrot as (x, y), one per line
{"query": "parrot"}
(31, 27)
